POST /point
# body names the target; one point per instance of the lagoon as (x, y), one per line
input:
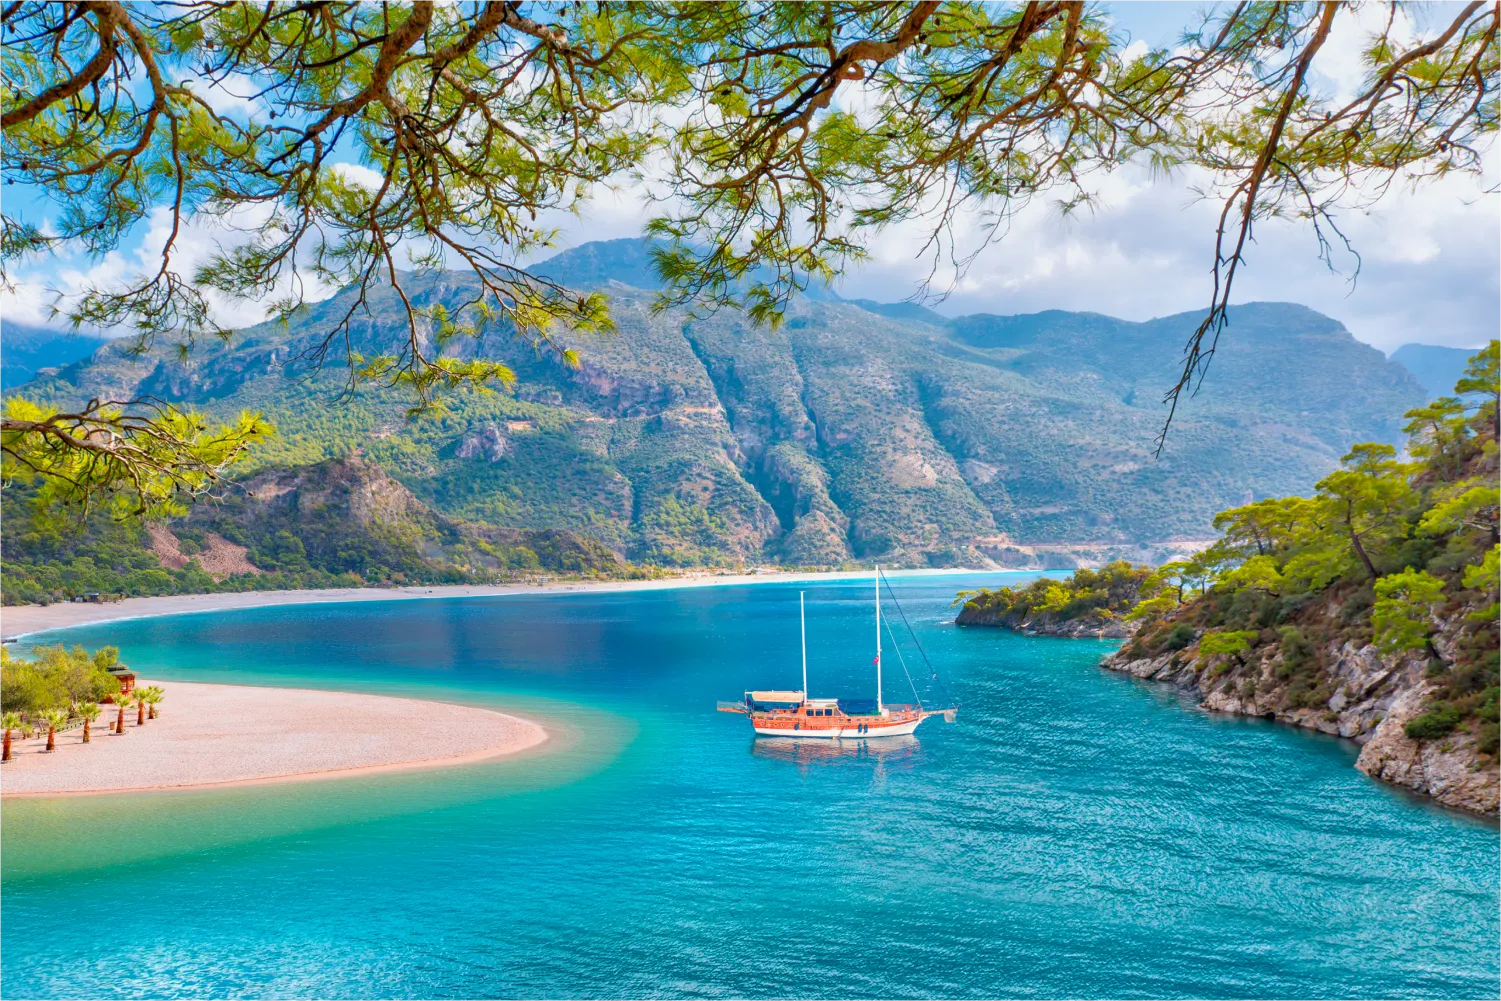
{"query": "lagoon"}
(1074, 833)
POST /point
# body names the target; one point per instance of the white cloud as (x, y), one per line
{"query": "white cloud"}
(358, 174)
(1428, 268)
(40, 286)
(234, 96)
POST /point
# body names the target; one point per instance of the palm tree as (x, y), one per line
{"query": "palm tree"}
(9, 722)
(89, 711)
(139, 698)
(119, 727)
(52, 719)
(154, 695)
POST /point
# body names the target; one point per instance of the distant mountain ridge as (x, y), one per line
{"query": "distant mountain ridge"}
(1437, 368)
(27, 349)
(854, 431)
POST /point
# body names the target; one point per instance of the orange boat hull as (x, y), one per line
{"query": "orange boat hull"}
(896, 723)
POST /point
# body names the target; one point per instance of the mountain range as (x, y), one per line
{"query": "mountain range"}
(1437, 368)
(854, 431)
(26, 349)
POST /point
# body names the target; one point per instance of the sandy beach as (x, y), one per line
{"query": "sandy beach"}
(216, 735)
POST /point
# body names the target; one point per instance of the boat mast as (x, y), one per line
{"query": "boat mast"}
(879, 710)
(802, 619)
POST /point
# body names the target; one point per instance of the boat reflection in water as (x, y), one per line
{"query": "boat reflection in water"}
(890, 752)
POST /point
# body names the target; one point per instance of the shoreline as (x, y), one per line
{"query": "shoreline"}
(21, 621)
(220, 736)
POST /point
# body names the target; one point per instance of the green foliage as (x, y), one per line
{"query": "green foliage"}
(1181, 636)
(1365, 499)
(1227, 643)
(1462, 505)
(1092, 595)
(1257, 573)
(1436, 434)
(680, 533)
(1482, 378)
(55, 677)
(356, 527)
(1403, 611)
(1297, 652)
(1485, 577)
(1437, 722)
(1153, 608)
(148, 461)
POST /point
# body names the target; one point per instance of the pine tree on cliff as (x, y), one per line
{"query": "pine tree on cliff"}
(1367, 497)
(1483, 375)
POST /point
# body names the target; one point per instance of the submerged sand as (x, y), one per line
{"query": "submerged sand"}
(209, 735)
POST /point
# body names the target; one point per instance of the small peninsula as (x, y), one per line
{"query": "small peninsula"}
(1089, 603)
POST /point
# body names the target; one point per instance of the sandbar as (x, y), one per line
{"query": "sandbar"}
(217, 735)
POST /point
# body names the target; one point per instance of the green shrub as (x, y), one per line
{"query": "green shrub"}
(1182, 635)
(1437, 722)
(1488, 738)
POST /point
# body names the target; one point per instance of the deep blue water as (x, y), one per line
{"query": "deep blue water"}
(1074, 834)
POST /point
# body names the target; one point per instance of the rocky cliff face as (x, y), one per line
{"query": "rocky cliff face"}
(1364, 695)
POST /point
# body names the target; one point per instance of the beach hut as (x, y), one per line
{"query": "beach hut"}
(126, 676)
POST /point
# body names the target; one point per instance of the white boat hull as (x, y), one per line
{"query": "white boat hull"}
(901, 729)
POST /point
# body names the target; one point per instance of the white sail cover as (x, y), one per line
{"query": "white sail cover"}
(776, 696)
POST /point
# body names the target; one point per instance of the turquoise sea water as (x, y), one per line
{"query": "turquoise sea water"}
(1074, 833)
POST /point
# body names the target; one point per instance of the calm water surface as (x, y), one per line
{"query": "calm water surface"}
(1075, 833)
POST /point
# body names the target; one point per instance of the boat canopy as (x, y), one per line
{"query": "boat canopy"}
(774, 696)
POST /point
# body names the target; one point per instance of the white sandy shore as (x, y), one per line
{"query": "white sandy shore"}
(17, 620)
(213, 735)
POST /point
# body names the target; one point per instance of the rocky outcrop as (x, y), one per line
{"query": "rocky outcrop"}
(487, 443)
(354, 487)
(1373, 698)
(1444, 769)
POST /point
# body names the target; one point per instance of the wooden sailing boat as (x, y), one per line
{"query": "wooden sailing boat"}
(777, 713)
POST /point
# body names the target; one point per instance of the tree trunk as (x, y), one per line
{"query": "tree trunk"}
(6, 755)
(140, 714)
(51, 738)
(1355, 542)
(86, 737)
(120, 719)
(152, 713)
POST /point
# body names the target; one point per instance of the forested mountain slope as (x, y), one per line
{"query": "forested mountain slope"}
(337, 523)
(843, 434)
